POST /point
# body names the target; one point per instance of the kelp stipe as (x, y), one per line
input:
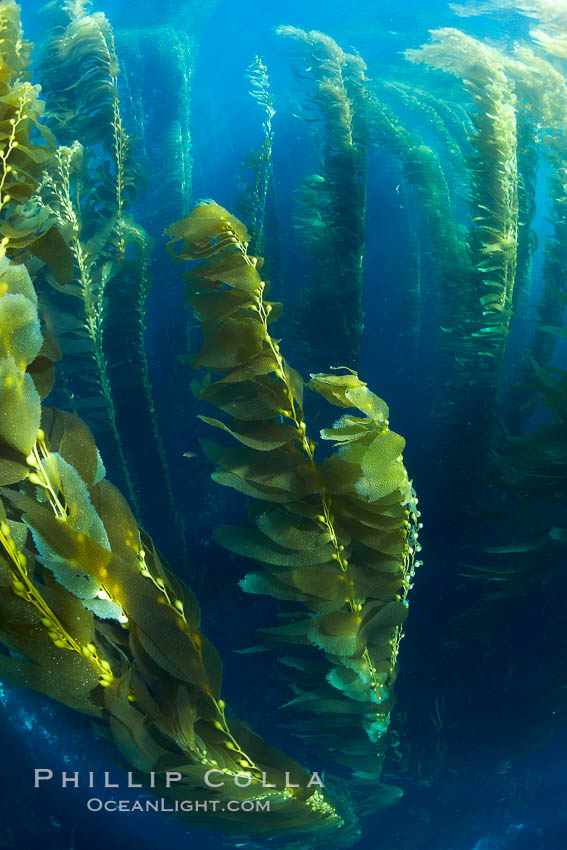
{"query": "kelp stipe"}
(93, 619)
(256, 170)
(331, 208)
(83, 333)
(338, 536)
(423, 176)
(128, 317)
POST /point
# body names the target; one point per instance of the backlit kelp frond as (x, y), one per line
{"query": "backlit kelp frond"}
(22, 160)
(337, 537)
(256, 171)
(481, 302)
(332, 203)
(78, 70)
(540, 84)
(90, 195)
(91, 617)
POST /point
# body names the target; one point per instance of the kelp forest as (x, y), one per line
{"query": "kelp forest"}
(198, 325)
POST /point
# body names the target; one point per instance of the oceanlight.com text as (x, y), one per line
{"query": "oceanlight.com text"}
(95, 804)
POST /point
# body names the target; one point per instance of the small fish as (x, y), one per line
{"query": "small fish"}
(190, 454)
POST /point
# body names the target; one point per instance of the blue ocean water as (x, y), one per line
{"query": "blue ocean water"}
(481, 725)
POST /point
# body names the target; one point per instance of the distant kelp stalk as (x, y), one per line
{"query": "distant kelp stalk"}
(477, 305)
(331, 204)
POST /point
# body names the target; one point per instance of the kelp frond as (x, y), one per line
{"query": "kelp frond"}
(542, 122)
(78, 70)
(336, 536)
(90, 195)
(27, 149)
(479, 307)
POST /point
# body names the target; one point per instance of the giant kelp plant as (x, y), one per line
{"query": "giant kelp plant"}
(539, 72)
(519, 115)
(524, 544)
(436, 224)
(162, 129)
(338, 535)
